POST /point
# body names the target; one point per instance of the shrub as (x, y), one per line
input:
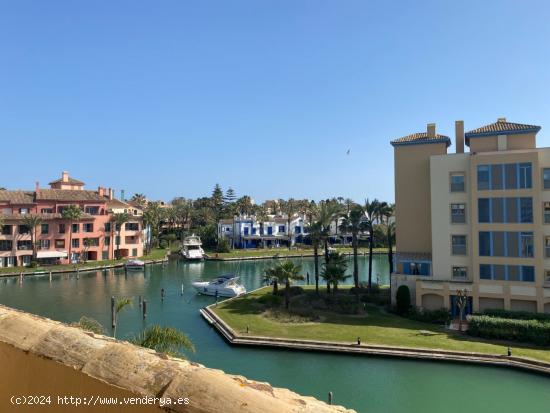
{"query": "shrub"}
(517, 315)
(33, 264)
(294, 291)
(527, 331)
(441, 316)
(403, 299)
(223, 245)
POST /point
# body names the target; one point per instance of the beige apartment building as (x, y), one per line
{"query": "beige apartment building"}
(477, 221)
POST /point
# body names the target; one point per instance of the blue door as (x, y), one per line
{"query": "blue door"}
(269, 230)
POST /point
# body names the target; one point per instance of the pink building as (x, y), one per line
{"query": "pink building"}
(94, 236)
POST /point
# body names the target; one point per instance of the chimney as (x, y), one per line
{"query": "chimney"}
(459, 136)
(502, 120)
(37, 186)
(101, 191)
(431, 130)
(111, 194)
(65, 176)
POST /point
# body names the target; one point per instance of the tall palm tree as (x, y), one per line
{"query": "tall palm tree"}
(354, 222)
(261, 217)
(119, 220)
(387, 211)
(327, 211)
(71, 214)
(32, 221)
(286, 272)
(120, 305)
(372, 213)
(167, 340)
(152, 218)
(334, 271)
(140, 200)
(315, 231)
(272, 276)
(289, 208)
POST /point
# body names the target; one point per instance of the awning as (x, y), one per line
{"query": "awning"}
(51, 254)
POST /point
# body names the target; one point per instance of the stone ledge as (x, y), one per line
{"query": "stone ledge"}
(147, 373)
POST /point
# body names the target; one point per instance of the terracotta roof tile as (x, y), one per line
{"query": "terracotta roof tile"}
(419, 138)
(17, 197)
(71, 181)
(69, 195)
(501, 127)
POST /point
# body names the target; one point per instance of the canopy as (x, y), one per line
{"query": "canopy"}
(51, 254)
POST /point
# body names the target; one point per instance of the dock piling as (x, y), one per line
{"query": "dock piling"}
(330, 396)
(144, 309)
(113, 311)
(139, 300)
(181, 288)
(162, 294)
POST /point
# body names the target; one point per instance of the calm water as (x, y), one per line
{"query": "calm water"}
(373, 385)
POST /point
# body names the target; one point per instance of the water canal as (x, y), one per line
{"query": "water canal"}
(373, 385)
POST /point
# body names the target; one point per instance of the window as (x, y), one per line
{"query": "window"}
(24, 245)
(460, 273)
(416, 268)
(26, 260)
(6, 245)
(46, 211)
(117, 240)
(483, 177)
(134, 252)
(107, 227)
(76, 228)
(61, 228)
(269, 230)
(92, 210)
(484, 244)
(23, 229)
(525, 178)
(298, 230)
(484, 210)
(104, 255)
(526, 210)
(497, 178)
(458, 244)
(107, 241)
(75, 243)
(546, 178)
(497, 210)
(527, 247)
(458, 213)
(546, 209)
(91, 242)
(547, 247)
(44, 229)
(524, 273)
(59, 243)
(511, 175)
(547, 276)
(23, 211)
(88, 227)
(457, 182)
(44, 244)
(132, 226)
(254, 231)
(7, 230)
(245, 230)
(281, 228)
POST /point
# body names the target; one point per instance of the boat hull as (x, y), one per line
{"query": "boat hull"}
(205, 289)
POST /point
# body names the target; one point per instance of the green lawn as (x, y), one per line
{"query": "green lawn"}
(377, 327)
(270, 252)
(155, 254)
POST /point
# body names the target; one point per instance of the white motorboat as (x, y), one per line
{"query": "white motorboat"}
(192, 248)
(135, 265)
(223, 286)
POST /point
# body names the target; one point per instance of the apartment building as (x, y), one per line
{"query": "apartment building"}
(89, 238)
(248, 232)
(477, 221)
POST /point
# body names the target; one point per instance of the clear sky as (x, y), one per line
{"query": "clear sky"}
(169, 97)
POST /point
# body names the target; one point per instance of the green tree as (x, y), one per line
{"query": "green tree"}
(71, 214)
(120, 304)
(152, 218)
(354, 222)
(167, 340)
(288, 208)
(119, 219)
(326, 213)
(32, 222)
(315, 233)
(334, 271)
(139, 200)
(271, 276)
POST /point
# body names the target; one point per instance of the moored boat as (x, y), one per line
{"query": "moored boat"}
(223, 286)
(134, 265)
(192, 248)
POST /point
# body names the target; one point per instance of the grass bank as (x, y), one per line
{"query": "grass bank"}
(283, 252)
(376, 327)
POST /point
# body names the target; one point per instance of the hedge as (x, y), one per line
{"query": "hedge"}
(441, 316)
(518, 315)
(527, 331)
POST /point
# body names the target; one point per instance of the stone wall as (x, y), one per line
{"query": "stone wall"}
(41, 357)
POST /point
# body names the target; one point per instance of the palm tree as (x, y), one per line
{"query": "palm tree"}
(286, 272)
(261, 217)
(387, 211)
(327, 211)
(334, 271)
(372, 213)
(120, 305)
(289, 209)
(71, 213)
(167, 340)
(119, 219)
(139, 200)
(271, 275)
(32, 221)
(152, 218)
(315, 231)
(354, 222)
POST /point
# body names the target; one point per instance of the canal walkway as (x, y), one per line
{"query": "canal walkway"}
(373, 350)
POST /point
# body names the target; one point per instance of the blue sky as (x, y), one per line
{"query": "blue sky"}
(169, 97)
